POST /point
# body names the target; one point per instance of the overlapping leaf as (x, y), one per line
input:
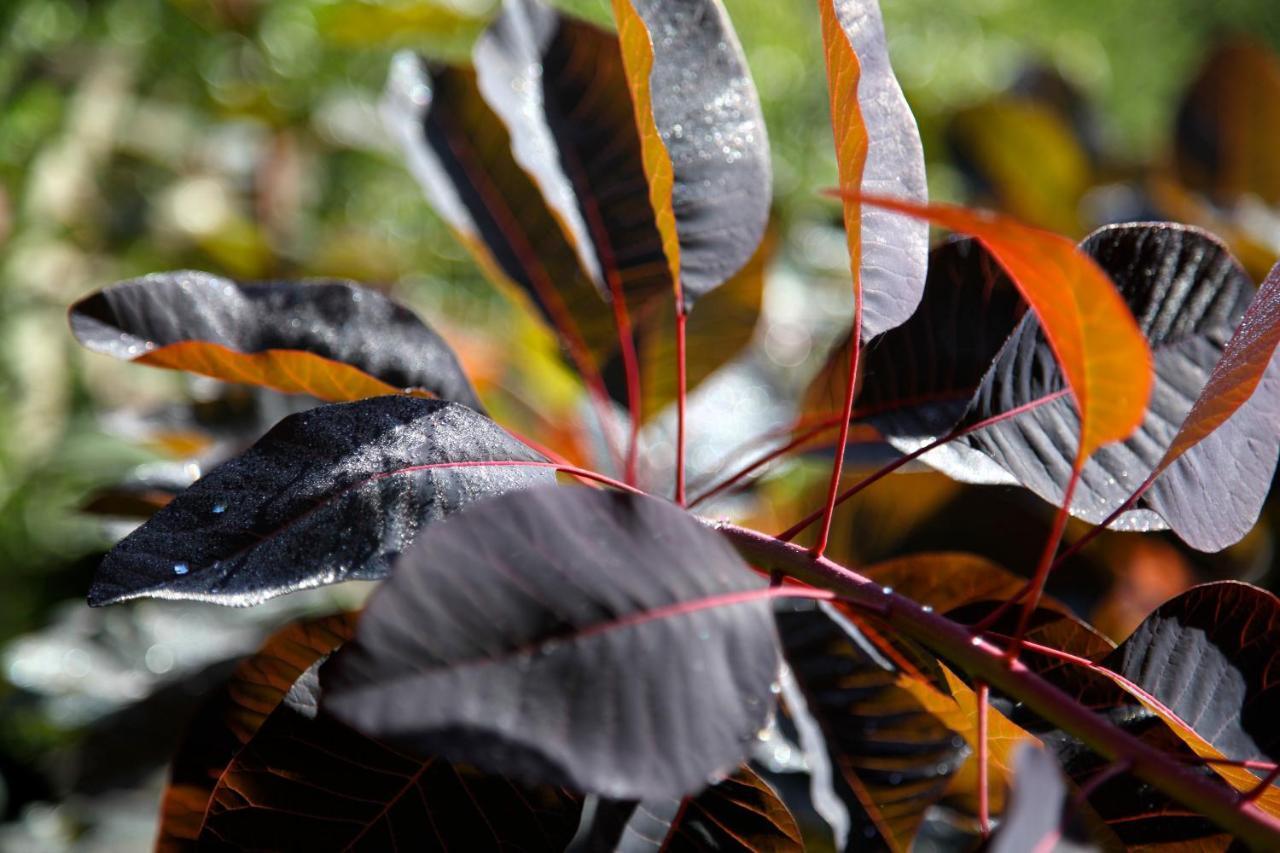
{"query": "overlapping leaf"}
(889, 757)
(917, 379)
(231, 718)
(878, 150)
(302, 780)
(618, 612)
(1101, 351)
(1189, 296)
(704, 146)
(331, 494)
(334, 340)
(738, 814)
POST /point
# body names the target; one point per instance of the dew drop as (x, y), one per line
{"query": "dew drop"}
(775, 688)
(928, 608)
(219, 508)
(977, 641)
(887, 590)
(181, 568)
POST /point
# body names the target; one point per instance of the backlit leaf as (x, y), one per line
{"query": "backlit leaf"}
(890, 758)
(738, 814)
(232, 717)
(334, 340)
(1090, 330)
(1188, 295)
(331, 494)
(618, 612)
(304, 781)
(705, 148)
(878, 149)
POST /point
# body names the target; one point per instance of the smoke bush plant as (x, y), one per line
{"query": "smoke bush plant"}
(557, 660)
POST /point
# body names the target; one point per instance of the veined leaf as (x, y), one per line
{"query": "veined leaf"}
(460, 151)
(738, 814)
(889, 757)
(705, 148)
(331, 494)
(878, 151)
(1090, 330)
(621, 613)
(334, 340)
(302, 780)
(917, 379)
(231, 718)
(1188, 295)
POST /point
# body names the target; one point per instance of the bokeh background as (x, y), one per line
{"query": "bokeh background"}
(242, 137)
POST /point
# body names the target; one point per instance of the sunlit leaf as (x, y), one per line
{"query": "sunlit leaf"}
(1090, 330)
(331, 494)
(1189, 295)
(705, 148)
(878, 150)
(621, 613)
(331, 339)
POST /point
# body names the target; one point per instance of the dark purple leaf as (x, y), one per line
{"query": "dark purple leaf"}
(1210, 656)
(698, 98)
(1188, 295)
(1033, 821)
(895, 249)
(917, 379)
(331, 494)
(889, 759)
(603, 641)
(738, 814)
(304, 781)
(333, 339)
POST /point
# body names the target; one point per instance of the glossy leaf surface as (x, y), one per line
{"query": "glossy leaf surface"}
(232, 717)
(705, 148)
(618, 612)
(1034, 818)
(1210, 657)
(877, 149)
(889, 757)
(1189, 295)
(305, 781)
(331, 494)
(1097, 343)
(334, 340)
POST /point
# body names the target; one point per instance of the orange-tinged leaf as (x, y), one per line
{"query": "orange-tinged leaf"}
(637, 59)
(843, 74)
(232, 717)
(960, 712)
(1237, 777)
(704, 146)
(289, 371)
(1103, 354)
(878, 151)
(1236, 375)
